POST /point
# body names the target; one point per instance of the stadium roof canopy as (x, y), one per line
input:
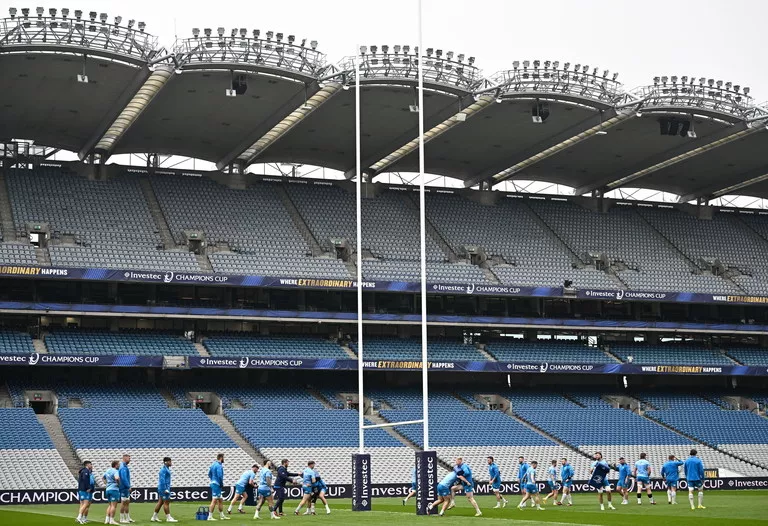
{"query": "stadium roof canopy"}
(98, 86)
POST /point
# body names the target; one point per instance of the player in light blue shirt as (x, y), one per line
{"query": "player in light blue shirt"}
(494, 479)
(642, 472)
(552, 482)
(125, 489)
(216, 477)
(694, 473)
(622, 485)
(464, 474)
(566, 475)
(164, 492)
(522, 467)
(307, 480)
(444, 492)
(606, 486)
(412, 491)
(531, 487)
(318, 492)
(670, 472)
(264, 491)
(246, 479)
(112, 493)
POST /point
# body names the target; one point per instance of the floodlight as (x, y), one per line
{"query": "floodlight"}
(736, 88)
(585, 69)
(615, 76)
(103, 17)
(711, 82)
(142, 25)
(536, 64)
(397, 49)
(313, 44)
(385, 49)
(303, 42)
(12, 11)
(279, 37)
(746, 90)
(556, 64)
(270, 34)
(131, 23)
(516, 64)
(93, 15)
(605, 74)
(461, 57)
(719, 83)
(728, 85)
(430, 51)
(684, 79)
(406, 49)
(363, 50)
(566, 66)
(207, 32)
(233, 33)
(118, 19)
(526, 64)
(64, 12)
(25, 12)
(52, 12)
(449, 55)
(674, 79)
(547, 63)
(256, 33)
(195, 31)
(656, 81)
(577, 67)
(439, 53)
(40, 12)
(664, 79)
(702, 80)
(220, 31)
(594, 72)
(374, 49)
(78, 14)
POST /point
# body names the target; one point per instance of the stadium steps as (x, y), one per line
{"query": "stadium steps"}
(169, 399)
(39, 346)
(298, 221)
(731, 358)
(5, 396)
(612, 356)
(539, 430)
(237, 438)
(349, 352)
(691, 264)
(321, 398)
(411, 201)
(490, 276)
(43, 257)
(201, 350)
(750, 227)
(52, 425)
(7, 228)
(204, 263)
(571, 399)
(157, 213)
(486, 354)
(575, 259)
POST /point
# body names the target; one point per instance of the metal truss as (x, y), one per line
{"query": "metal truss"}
(705, 94)
(238, 48)
(402, 64)
(62, 33)
(551, 78)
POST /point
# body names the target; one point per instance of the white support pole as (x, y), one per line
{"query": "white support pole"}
(393, 424)
(423, 241)
(358, 206)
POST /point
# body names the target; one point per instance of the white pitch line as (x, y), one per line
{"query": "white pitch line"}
(517, 521)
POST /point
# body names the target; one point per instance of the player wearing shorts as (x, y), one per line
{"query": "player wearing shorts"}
(495, 481)
(164, 492)
(319, 489)
(264, 491)
(112, 493)
(670, 473)
(464, 474)
(246, 479)
(125, 490)
(86, 483)
(694, 473)
(622, 485)
(444, 492)
(531, 487)
(642, 473)
(307, 480)
(216, 477)
(412, 491)
(552, 482)
(566, 475)
(606, 485)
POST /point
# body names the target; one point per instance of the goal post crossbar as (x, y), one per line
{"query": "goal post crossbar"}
(393, 424)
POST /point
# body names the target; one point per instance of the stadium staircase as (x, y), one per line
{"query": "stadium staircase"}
(321, 398)
(5, 397)
(204, 263)
(170, 399)
(237, 438)
(39, 346)
(157, 213)
(349, 352)
(410, 200)
(7, 228)
(43, 257)
(201, 350)
(298, 221)
(691, 264)
(488, 356)
(612, 355)
(52, 425)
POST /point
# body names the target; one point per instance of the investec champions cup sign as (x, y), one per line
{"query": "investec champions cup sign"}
(361, 482)
(426, 480)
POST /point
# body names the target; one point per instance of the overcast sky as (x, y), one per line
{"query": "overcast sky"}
(639, 40)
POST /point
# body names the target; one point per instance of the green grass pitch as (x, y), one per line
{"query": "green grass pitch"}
(737, 508)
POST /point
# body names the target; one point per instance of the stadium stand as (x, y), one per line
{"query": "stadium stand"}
(669, 353)
(562, 351)
(142, 343)
(330, 445)
(15, 342)
(229, 263)
(17, 254)
(410, 349)
(233, 344)
(28, 459)
(749, 355)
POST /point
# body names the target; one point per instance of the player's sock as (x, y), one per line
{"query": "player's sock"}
(690, 499)
(570, 499)
(639, 498)
(154, 516)
(650, 497)
(701, 498)
(327, 509)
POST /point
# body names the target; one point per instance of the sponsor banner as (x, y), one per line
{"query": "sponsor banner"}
(361, 482)
(426, 481)
(253, 362)
(192, 278)
(336, 491)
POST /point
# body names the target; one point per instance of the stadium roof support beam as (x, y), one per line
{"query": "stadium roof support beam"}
(247, 153)
(481, 103)
(141, 99)
(750, 178)
(717, 139)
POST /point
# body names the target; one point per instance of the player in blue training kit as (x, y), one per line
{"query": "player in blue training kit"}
(531, 487)
(164, 492)
(552, 482)
(642, 473)
(412, 491)
(606, 486)
(112, 493)
(444, 492)
(566, 475)
(494, 478)
(694, 473)
(464, 474)
(125, 490)
(622, 485)
(246, 479)
(264, 491)
(522, 467)
(319, 489)
(307, 480)
(86, 483)
(670, 472)
(216, 477)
